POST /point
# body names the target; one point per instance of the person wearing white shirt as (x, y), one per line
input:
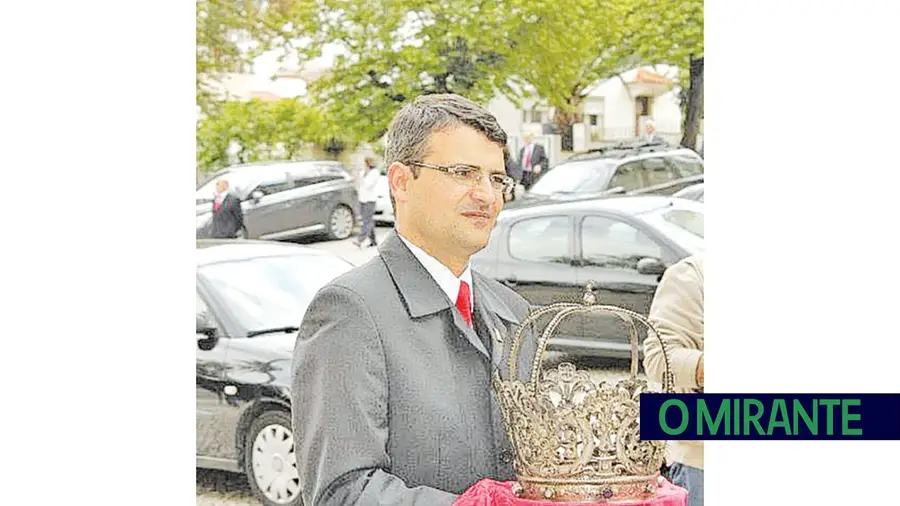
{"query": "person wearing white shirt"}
(367, 199)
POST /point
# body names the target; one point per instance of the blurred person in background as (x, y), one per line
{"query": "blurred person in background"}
(532, 160)
(367, 198)
(513, 170)
(677, 315)
(228, 217)
(391, 377)
(652, 134)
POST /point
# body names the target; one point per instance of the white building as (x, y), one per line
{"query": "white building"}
(614, 109)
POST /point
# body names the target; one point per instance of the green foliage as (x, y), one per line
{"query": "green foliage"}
(401, 49)
(264, 131)
(563, 52)
(220, 25)
(666, 31)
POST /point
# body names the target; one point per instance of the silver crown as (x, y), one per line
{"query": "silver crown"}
(576, 439)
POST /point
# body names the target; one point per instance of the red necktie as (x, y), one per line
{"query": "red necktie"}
(464, 302)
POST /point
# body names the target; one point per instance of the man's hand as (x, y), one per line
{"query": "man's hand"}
(700, 372)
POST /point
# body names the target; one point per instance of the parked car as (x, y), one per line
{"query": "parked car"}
(694, 192)
(285, 200)
(251, 297)
(623, 169)
(384, 212)
(548, 253)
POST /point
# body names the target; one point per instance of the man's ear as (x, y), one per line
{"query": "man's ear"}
(399, 176)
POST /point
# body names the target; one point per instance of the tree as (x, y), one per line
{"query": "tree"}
(671, 32)
(261, 131)
(230, 33)
(693, 105)
(397, 50)
(562, 53)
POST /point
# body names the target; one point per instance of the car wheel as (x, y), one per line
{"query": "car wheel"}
(269, 460)
(340, 223)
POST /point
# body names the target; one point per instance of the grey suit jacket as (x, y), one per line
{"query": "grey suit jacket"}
(391, 393)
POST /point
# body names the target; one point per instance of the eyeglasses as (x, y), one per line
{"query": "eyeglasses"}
(471, 176)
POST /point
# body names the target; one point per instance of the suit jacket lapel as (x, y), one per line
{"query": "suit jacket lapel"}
(420, 293)
(502, 325)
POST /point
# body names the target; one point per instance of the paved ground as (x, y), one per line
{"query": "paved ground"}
(216, 488)
(348, 250)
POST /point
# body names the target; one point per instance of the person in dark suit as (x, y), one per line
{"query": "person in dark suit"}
(391, 375)
(228, 217)
(532, 160)
(513, 170)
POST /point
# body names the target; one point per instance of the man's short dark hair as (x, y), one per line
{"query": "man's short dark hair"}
(409, 133)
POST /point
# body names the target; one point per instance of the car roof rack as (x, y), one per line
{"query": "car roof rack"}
(624, 148)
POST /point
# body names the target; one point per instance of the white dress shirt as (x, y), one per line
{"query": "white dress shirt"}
(526, 155)
(442, 275)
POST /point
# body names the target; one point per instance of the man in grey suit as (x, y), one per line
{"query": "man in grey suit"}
(391, 387)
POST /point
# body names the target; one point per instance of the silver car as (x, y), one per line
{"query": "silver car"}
(285, 200)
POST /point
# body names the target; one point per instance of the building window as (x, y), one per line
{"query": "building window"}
(642, 106)
(595, 127)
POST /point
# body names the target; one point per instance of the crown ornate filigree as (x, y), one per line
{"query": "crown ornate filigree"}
(577, 440)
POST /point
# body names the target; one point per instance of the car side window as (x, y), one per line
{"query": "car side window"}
(686, 166)
(611, 243)
(688, 220)
(309, 177)
(629, 176)
(657, 171)
(545, 239)
(273, 187)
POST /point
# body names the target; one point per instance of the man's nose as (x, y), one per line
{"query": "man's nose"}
(484, 192)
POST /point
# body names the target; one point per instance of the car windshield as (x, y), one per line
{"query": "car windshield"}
(270, 292)
(586, 176)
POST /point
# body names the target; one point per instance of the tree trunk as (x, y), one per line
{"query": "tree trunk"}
(694, 107)
(565, 121)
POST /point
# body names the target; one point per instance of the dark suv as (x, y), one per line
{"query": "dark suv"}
(284, 200)
(622, 169)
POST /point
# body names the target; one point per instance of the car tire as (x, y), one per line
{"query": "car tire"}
(340, 223)
(269, 460)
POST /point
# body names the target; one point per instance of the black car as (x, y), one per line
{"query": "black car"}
(251, 297)
(285, 200)
(625, 169)
(550, 252)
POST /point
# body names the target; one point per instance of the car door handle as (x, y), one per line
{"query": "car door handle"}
(510, 281)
